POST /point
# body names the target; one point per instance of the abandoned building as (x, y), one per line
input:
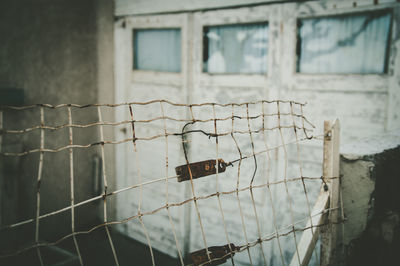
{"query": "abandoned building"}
(188, 132)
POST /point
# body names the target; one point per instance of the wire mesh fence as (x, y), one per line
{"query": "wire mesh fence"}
(204, 183)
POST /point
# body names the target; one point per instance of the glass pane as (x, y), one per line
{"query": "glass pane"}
(236, 48)
(157, 49)
(344, 44)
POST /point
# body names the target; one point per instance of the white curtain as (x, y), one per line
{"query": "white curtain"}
(157, 49)
(236, 49)
(344, 44)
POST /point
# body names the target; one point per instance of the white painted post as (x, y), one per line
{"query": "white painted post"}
(327, 198)
(310, 236)
(331, 177)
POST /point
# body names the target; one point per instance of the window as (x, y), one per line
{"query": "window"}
(344, 44)
(236, 48)
(157, 49)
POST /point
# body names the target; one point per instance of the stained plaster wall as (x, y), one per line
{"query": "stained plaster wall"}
(57, 52)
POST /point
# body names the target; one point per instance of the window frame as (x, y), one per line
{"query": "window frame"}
(136, 30)
(174, 21)
(351, 82)
(387, 51)
(235, 24)
(229, 17)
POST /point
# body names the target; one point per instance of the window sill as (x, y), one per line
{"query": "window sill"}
(233, 80)
(157, 77)
(341, 82)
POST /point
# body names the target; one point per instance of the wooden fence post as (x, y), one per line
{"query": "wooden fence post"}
(331, 177)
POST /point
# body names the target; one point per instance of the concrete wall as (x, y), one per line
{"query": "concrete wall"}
(57, 52)
(371, 202)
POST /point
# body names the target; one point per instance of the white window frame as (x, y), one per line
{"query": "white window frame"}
(259, 14)
(331, 82)
(178, 21)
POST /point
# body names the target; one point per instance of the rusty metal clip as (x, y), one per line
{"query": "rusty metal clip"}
(218, 255)
(199, 169)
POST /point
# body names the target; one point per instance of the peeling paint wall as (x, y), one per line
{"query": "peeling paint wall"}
(140, 7)
(365, 104)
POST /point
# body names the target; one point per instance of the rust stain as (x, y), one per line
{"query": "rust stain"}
(216, 255)
(133, 124)
(199, 169)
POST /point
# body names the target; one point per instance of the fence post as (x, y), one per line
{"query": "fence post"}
(331, 178)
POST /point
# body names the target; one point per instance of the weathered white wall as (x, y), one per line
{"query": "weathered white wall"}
(141, 7)
(365, 105)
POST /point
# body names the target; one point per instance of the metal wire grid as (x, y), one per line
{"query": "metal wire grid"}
(277, 120)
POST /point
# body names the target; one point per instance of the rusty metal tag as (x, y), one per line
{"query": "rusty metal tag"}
(218, 255)
(199, 169)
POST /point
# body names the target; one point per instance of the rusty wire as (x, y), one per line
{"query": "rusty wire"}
(306, 127)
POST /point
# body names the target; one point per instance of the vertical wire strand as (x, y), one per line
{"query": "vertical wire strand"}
(302, 122)
(301, 173)
(71, 175)
(141, 185)
(166, 186)
(268, 187)
(305, 134)
(342, 214)
(39, 179)
(103, 158)
(251, 186)
(237, 187)
(285, 181)
(195, 198)
(148, 240)
(217, 183)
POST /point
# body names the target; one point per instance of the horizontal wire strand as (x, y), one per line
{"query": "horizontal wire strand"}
(123, 122)
(66, 147)
(146, 103)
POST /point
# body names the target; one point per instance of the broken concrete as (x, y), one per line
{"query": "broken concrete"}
(370, 179)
